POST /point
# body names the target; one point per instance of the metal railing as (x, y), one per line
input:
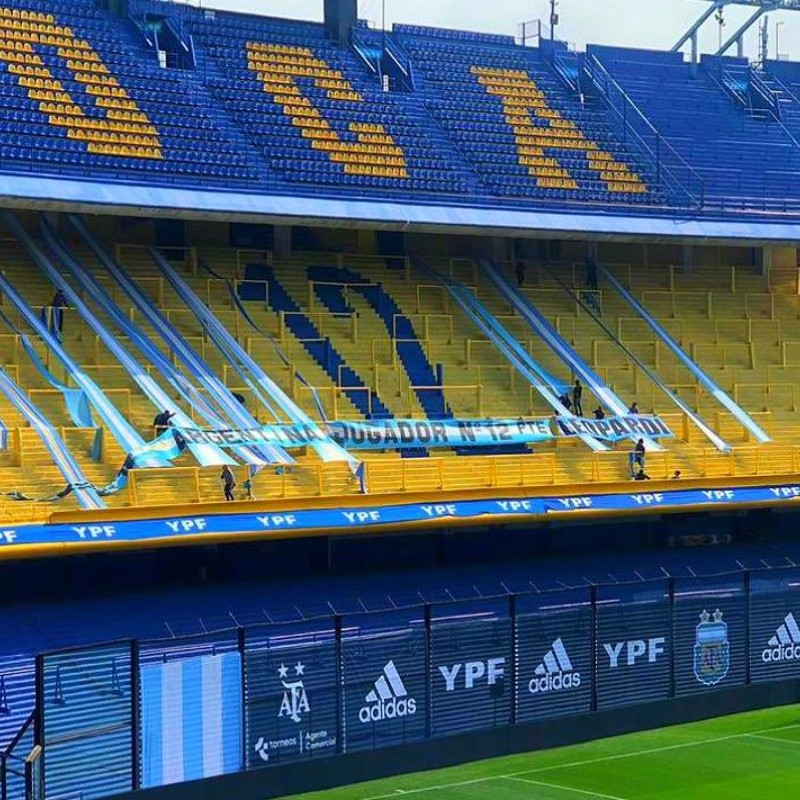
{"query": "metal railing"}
(672, 171)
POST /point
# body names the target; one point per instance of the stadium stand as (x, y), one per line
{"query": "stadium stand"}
(310, 107)
(705, 122)
(81, 95)
(167, 616)
(741, 331)
(569, 249)
(531, 128)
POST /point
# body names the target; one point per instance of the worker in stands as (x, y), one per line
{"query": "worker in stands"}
(228, 483)
(636, 458)
(162, 421)
(577, 394)
(57, 306)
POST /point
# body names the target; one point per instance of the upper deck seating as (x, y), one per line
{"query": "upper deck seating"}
(314, 111)
(78, 95)
(525, 133)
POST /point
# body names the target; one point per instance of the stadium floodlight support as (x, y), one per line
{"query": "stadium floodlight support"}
(761, 7)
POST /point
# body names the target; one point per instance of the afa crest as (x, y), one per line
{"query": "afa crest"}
(712, 652)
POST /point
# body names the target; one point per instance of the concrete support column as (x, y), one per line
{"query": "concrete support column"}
(283, 242)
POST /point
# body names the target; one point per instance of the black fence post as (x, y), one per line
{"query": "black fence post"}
(241, 646)
(135, 716)
(428, 668)
(512, 614)
(593, 631)
(672, 636)
(38, 719)
(747, 578)
(337, 622)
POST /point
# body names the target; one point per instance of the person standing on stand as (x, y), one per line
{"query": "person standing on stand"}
(577, 394)
(228, 483)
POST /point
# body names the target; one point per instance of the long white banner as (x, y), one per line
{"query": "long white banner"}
(385, 434)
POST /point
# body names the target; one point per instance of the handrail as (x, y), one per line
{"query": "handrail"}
(603, 81)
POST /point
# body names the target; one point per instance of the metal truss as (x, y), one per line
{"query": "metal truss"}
(760, 7)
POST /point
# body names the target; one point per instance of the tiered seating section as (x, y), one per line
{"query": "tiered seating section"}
(274, 103)
(746, 161)
(78, 93)
(530, 137)
(310, 107)
(276, 106)
(375, 338)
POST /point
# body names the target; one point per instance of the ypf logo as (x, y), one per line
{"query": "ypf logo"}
(633, 651)
(473, 673)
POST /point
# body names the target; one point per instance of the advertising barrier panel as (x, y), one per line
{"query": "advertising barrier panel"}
(775, 626)
(633, 652)
(191, 719)
(709, 637)
(470, 663)
(115, 718)
(385, 689)
(292, 703)
(554, 664)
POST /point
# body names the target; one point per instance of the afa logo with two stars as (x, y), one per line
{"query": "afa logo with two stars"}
(295, 698)
(712, 652)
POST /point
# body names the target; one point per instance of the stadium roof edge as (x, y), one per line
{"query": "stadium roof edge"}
(61, 194)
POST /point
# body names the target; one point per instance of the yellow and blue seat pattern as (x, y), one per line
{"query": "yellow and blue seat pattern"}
(315, 113)
(540, 129)
(279, 68)
(74, 92)
(525, 133)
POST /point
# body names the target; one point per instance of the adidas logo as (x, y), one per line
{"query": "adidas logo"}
(555, 673)
(785, 644)
(389, 699)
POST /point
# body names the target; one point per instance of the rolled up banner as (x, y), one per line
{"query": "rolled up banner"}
(613, 429)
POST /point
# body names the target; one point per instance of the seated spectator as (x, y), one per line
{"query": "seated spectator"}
(676, 476)
(640, 475)
(599, 413)
(634, 409)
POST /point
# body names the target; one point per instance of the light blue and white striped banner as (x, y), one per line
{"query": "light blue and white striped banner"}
(191, 719)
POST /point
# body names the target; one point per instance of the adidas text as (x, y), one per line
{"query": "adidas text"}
(389, 699)
(783, 652)
(555, 683)
(388, 709)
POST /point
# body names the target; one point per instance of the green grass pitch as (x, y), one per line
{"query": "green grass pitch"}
(746, 756)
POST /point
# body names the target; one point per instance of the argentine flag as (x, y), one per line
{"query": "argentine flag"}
(191, 719)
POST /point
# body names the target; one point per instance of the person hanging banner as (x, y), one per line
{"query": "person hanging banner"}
(613, 429)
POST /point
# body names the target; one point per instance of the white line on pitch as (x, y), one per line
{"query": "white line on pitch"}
(566, 788)
(584, 762)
